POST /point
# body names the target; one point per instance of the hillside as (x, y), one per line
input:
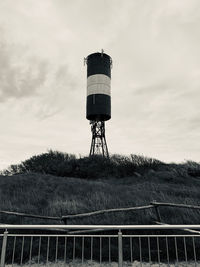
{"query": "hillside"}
(28, 191)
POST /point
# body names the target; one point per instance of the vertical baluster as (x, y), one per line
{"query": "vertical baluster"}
(39, 248)
(83, 249)
(47, 259)
(140, 247)
(91, 248)
(74, 246)
(176, 250)
(158, 248)
(185, 250)
(100, 245)
(13, 255)
(109, 250)
(149, 249)
(167, 248)
(22, 251)
(56, 256)
(30, 252)
(131, 248)
(65, 251)
(194, 249)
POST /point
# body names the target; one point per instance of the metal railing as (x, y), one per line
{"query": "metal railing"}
(143, 245)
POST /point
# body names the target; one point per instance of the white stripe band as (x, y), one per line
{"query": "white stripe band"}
(98, 89)
(98, 84)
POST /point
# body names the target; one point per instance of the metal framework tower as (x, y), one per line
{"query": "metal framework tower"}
(98, 144)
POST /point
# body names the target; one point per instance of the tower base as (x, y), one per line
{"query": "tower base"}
(98, 145)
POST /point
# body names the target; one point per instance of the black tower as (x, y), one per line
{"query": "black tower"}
(98, 108)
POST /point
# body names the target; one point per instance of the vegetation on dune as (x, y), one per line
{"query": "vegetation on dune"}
(64, 165)
(118, 166)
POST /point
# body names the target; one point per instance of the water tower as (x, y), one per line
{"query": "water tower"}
(98, 107)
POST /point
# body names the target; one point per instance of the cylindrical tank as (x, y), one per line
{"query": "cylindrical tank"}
(98, 106)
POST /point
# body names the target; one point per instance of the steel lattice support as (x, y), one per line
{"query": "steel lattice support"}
(98, 145)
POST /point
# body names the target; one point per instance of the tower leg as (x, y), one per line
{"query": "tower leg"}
(98, 144)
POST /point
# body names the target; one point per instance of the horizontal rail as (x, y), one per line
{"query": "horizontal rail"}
(186, 229)
(102, 235)
(67, 235)
(106, 211)
(175, 205)
(73, 216)
(29, 215)
(103, 227)
(153, 204)
(85, 231)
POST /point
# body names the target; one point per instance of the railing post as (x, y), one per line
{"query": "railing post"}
(3, 250)
(120, 249)
(156, 206)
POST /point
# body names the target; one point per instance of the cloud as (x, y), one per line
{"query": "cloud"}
(20, 75)
(38, 85)
(60, 93)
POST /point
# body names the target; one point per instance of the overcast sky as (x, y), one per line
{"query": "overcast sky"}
(155, 47)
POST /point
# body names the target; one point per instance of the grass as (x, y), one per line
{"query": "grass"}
(51, 195)
(112, 264)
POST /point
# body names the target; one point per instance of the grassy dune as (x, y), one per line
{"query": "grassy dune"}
(51, 195)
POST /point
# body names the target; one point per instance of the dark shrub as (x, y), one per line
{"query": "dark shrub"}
(67, 165)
